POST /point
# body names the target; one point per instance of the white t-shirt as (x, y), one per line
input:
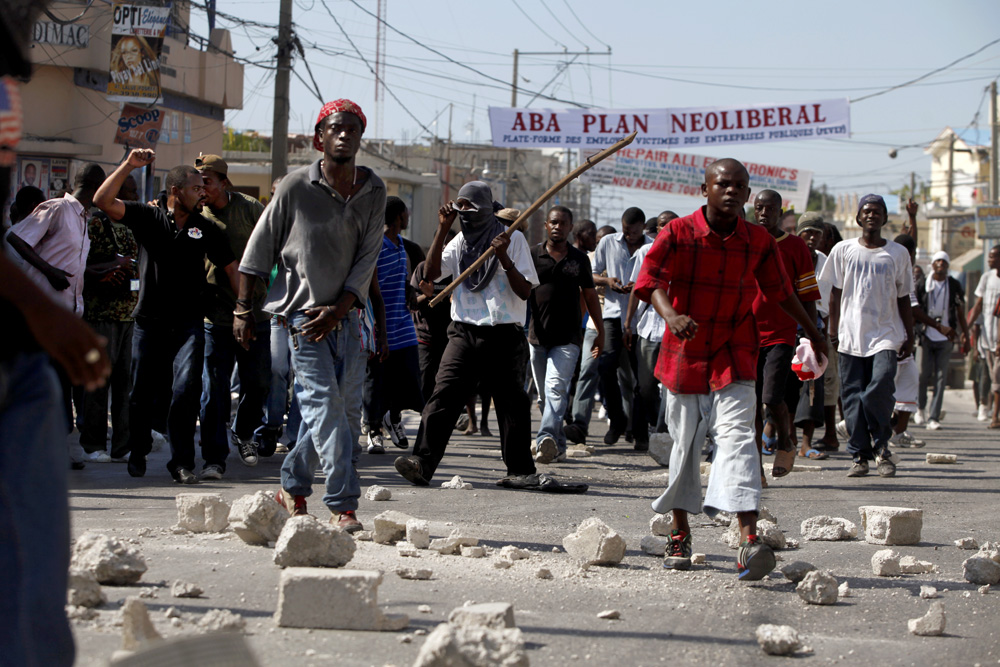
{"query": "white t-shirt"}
(496, 303)
(871, 280)
(989, 291)
(650, 325)
(823, 305)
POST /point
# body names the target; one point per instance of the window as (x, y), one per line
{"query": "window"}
(187, 129)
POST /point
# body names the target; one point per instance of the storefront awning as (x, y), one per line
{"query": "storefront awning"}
(972, 256)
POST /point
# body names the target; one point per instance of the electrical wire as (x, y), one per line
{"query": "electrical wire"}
(584, 25)
(563, 24)
(540, 28)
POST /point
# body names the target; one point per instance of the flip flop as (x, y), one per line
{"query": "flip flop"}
(814, 454)
(541, 482)
(768, 443)
(783, 463)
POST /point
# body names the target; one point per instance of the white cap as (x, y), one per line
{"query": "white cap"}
(941, 254)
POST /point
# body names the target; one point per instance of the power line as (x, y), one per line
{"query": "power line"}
(563, 24)
(540, 28)
(584, 25)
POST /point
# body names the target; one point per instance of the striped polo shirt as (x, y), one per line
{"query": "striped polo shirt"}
(392, 283)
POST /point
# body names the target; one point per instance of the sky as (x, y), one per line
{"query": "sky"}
(663, 54)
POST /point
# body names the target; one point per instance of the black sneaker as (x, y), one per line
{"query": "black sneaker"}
(575, 434)
(612, 436)
(136, 465)
(409, 468)
(678, 556)
(396, 432)
(885, 466)
(266, 440)
(247, 450)
(859, 469)
(185, 476)
(755, 559)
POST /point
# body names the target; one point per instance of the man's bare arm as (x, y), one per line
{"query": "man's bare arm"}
(106, 197)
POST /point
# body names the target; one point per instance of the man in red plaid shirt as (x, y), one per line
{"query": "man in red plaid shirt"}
(702, 275)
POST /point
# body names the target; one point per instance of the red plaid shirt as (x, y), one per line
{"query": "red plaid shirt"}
(712, 280)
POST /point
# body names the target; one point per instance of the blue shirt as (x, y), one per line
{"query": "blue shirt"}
(612, 255)
(392, 283)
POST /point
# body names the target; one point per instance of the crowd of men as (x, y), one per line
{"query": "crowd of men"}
(738, 338)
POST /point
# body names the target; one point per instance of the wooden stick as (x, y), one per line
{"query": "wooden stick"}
(590, 162)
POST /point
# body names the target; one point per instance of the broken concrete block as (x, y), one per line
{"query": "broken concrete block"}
(502, 564)
(660, 446)
(75, 613)
(543, 573)
(654, 546)
(307, 542)
(390, 527)
(981, 570)
(595, 543)
(844, 590)
(910, 565)
(378, 493)
(472, 646)
(778, 639)
(818, 588)
(416, 574)
(579, 451)
(83, 590)
(770, 534)
(967, 543)
(456, 483)
(418, 533)
(363, 536)
(202, 512)
(797, 570)
(474, 552)
(661, 524)
(764, 514)
(331, 600)
(183, 589)
(610, 615)
(930, 624)
(941, 458)
(928, 592)
(258, 518)
(698, 559)
(495, 615)
(453, 543)
(510, 552)
(885, 563)
(221, 620)
(137, 629)
(891, 525)
(110, 559)
(407, 550)
(828, 529)
(172, 612)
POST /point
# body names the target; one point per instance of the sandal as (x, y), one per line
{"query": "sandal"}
(815, 455)
(768, 443)
(994, 425)
(783, 463)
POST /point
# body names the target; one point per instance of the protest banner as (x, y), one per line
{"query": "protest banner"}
(675, 173)
(136, 39)
(139, 127)
(670, 128)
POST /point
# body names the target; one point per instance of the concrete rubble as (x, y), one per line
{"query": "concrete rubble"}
(828, 529)
(496, 615)
(543, 573)
(407, 550)
(885, 563)
(110, 559)
(891, 525)
(660, 446)
(778, 639)
(474, 552)
(818, 588)
(595, 543)
(456, 483)
(258, 518)
(418, 533)
(415, 574)
(390, 527)
(378, 493)
(928, 592)
(83, 590)
(796, 571)
(610, 615)
(307, 542)
(654, 546)
(660, 525)
(75, 613)
(472, 646)
(137, 629)
(967, 543)
(941, 458)
(221, 620)
(202, 512)
(333, 600)
(981, 570)
(184, 589)
(451, 545)
(910, 565)
(930, 624)
(767, 531)
(698, 559)
(844, 590)
(510, 552)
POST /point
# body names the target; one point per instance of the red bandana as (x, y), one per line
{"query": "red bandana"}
(344, 105)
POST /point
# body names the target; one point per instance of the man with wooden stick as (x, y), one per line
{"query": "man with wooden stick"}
(488, 310)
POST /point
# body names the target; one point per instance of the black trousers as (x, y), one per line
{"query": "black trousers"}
(430, 360)
(391, 386)
(489, 357)
(625, 408)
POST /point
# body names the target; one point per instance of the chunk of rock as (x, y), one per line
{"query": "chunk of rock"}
(137, 629)
(930, 624)
(818, 588)
(579, 451)
(332, 600)
(453, 543)
(967, 543)
(990, 550)
(472, 646)
(981, 570)
(363, 536)
(202, 512)
(828, 529)
(661, 524)
(796, 571)
(110, 559)
(378, 493)
(778, 639)
(764, 514)
(767, 531)
(610, 615)
(654, 546)
(698, 559)
(891, 525)
(221, 620)
(928, 592)
(941, 458)
(390, 527)
(502, 564)
(910, 565)
(258, 518)
(543, 573)
(885, 563)
(474, 552)
(415, 574)
(984, 589)
(418, 533)
(83, 589)
(844, 590)
(660, 446)
(74, 613)
(457, 483)
(306, 542)
(407, 550)
(510, 552)
(184, 589)
(496, 615)
(595, 543)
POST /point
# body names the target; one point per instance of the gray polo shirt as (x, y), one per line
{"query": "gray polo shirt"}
(612, 255)
(324, 245)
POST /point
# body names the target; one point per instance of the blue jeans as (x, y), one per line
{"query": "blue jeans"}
(328, 379)
(867, 389)
(161, 350)
(935, 358)
(277, 403)
(586, 385)
(552, 368)
(34, 515)
(253, 366)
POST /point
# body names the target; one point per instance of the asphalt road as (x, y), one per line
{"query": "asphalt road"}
(703, 616)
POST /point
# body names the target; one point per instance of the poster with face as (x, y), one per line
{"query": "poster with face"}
(34, 172)
(136, 39)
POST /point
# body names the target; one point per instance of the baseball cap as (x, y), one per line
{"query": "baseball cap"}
(211, 163)
(810, 220)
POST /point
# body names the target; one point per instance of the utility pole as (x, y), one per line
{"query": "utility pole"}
(279, 133)
(447, 158)
(913, 185)
(994, 146)
(951, 170)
